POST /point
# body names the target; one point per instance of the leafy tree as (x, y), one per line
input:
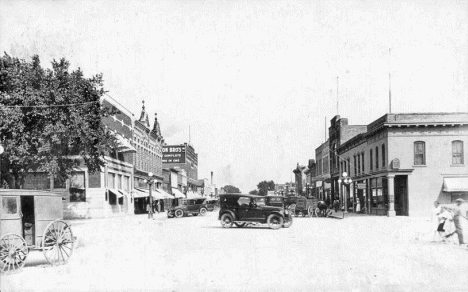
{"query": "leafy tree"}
(39, 130)
(265, 186)
(231, 189)
(253, 192)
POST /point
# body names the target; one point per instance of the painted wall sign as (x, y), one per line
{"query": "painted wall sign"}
(173, 154)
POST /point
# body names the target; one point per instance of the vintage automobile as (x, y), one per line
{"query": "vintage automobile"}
(211, 204)
(242, 210)
(32, 220)
(193, 206)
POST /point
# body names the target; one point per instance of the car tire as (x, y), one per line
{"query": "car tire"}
(317, 212)
(288, 222)
(275, 221)
(202, 212)
(240, 225)
(226, 220)
(179, 213)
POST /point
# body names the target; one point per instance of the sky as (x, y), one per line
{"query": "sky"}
(255, 81)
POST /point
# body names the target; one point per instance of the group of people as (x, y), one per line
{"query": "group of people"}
(446, 222)
(158, 206)
(337, 205)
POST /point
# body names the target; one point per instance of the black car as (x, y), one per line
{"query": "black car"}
(194, 207)
(212, 204)
(242, 210)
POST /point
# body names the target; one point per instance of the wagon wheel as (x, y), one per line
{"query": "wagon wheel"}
(57, 242)
(13, 253)
(310, 211)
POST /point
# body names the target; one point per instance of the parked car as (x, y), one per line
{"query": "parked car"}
(195, 207)
(212, 204)
(242, 210)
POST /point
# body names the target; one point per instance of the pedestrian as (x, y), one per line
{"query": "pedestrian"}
(336, 204)
(446, 225)
(435, 221)
(150, 212)
(358, 206)
(158, 206)
(327, 201)
(162, 205)
(457, 220)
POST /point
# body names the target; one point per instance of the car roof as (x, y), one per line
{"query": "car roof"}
(241, 195)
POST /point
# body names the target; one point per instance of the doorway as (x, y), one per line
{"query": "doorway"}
(401, 195)
(28, 219)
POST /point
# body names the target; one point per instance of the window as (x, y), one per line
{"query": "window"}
(349, 167)
(9, 205)
(371, 159)
(457, 152)
(77, 195)
(376, 157)
(362, 163)
(419, 153)
(383, 155)
(355, 169)
(359, 163)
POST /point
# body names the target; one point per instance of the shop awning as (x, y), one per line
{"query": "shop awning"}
(124, 145)
(115, 192)
(455, 184)
(124, 193)
(140, 193)
(177, 193)
(164, 194)
(191, 194)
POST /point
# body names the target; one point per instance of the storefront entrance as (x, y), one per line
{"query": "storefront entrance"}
(401, 195)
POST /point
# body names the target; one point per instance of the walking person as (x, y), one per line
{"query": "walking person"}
(162, 205)
(149, 210)
(336, 204)
(435, 212)
(457, 220)
(158, 206)
(358, 206)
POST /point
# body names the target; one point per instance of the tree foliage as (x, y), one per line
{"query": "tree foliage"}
(265, 186)
(231, 189)
(37, 130)
(253, 192)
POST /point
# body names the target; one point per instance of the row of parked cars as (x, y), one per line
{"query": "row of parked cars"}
(193, 206)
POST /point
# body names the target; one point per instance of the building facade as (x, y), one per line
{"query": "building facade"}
(402, 163)
(322, 180)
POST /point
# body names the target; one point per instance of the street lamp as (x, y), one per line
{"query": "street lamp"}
(345, 180)
(150, 183)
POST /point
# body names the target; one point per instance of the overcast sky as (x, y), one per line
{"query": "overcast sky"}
(254, 80)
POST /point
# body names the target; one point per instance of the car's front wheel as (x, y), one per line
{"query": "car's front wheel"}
(288, 222)
(275, 221)
(179, 213)
(226, 220)
(203, 211)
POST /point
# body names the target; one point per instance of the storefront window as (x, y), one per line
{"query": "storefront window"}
(9, 205)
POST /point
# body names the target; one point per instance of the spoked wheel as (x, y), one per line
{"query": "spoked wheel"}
(226, 220)
(203, 211)
(317, 212)
(240, 225)
(288, 222)
(275, 221)
(310, 211)
(179, 213)
(13, 253)
(57, 242)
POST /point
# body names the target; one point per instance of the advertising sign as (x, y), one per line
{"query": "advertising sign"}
(173, 154)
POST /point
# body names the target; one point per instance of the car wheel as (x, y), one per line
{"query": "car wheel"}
(203, 211)
(179, 213)
(240, 225)
(288, 222)
(275, 221)
(226, 220)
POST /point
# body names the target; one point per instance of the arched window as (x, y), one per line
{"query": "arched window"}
(383, 155)
(419, 153)
(457, 152)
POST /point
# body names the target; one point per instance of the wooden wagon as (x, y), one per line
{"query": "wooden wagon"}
(32, 220)
(301, 206)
